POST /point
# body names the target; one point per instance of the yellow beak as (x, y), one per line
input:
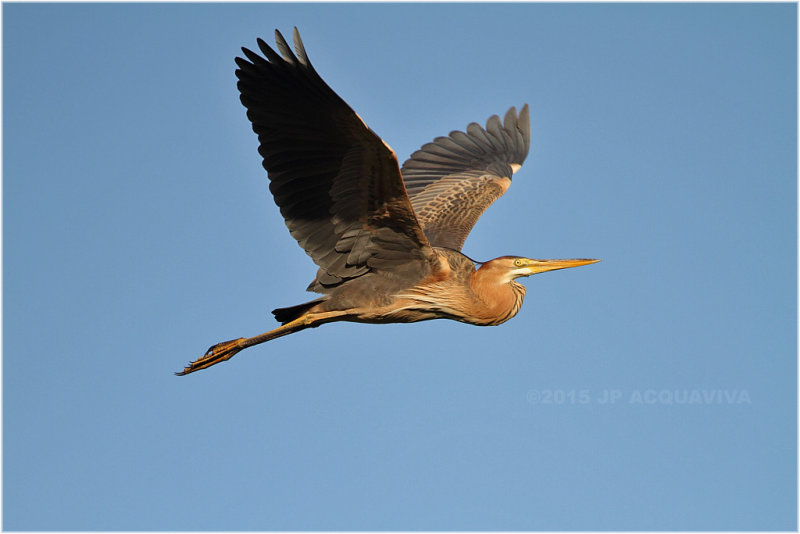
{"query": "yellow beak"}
(540, 266)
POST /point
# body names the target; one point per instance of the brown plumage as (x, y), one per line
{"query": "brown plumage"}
(387, 241)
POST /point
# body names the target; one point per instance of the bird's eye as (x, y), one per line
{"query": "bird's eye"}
(518, 263)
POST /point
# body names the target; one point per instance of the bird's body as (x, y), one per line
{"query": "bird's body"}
(386, 240)
(454, 289)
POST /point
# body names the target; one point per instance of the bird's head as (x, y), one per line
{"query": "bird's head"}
(509, 268)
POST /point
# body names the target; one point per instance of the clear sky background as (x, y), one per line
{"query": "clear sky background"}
(139, 230)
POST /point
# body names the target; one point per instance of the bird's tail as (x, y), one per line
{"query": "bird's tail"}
(289, 314)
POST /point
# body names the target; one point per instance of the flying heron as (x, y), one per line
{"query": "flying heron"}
(386, 239)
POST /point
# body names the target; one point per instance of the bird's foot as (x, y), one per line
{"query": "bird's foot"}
(214, 355)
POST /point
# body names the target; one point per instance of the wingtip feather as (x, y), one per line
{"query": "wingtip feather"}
(284, 48)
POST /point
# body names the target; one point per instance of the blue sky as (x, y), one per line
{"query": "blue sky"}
(138, 230)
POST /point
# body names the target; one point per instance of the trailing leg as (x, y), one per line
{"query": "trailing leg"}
(228, 349)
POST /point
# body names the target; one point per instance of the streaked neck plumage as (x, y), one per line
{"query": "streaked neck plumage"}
(501, 296)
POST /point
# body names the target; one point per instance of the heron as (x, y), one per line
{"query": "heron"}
(386, 239)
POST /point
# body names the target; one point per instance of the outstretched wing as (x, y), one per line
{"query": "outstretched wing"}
(452, 180)
(338, 185)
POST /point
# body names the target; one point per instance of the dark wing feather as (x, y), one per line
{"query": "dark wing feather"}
(338, 185)
(452, 180)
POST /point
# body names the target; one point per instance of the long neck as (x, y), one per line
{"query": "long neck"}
(501, 297)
